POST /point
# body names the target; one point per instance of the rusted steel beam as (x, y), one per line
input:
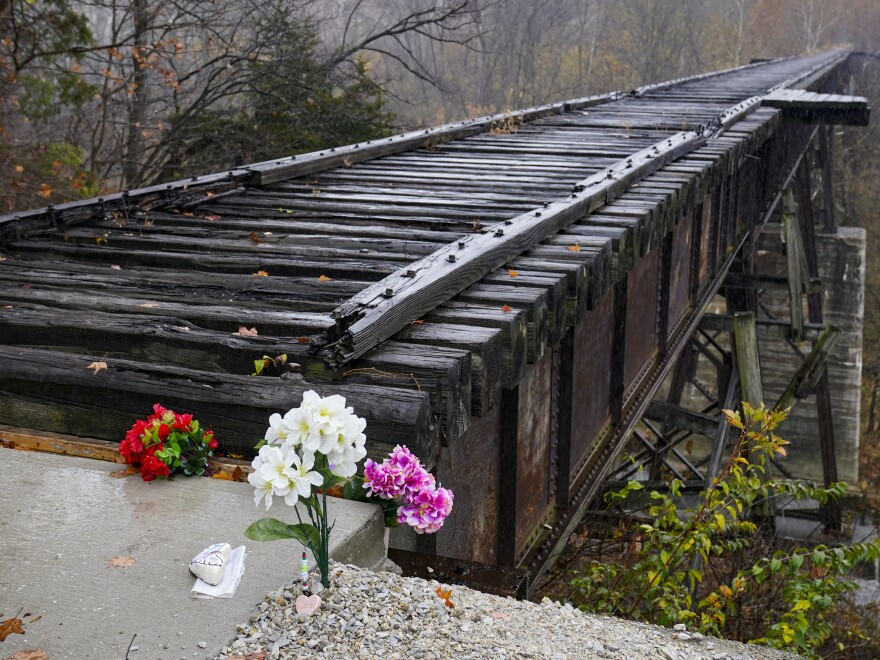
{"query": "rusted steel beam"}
(382, 309)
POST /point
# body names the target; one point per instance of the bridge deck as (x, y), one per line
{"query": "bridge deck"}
(179, 289)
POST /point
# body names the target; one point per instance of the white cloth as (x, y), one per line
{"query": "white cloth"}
(228, 584)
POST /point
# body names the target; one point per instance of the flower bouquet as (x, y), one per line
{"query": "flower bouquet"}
(315, 448)
(167, 443)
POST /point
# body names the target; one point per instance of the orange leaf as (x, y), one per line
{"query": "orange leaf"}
(512, 273)
(121, 562)
(127, 472)
(237, 473)
(417, 322)
(445, 595)
(255, 238)
(29, 654)
(574, 248)
(303, 340)
(97, 366)
(10, 626)
(324, 278)
(19, 169)
(45, 190)
(188, 214)
(506, 308)
(101, 240)
(244, 332)
(260, 273)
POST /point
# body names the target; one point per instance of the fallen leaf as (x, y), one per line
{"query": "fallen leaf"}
(101, 240)
(97, 366)
(212, 218)
(29, 654)
(10, 626)
(19, 169)
(445, 595)
(506, 308)
(127, 472)
(260, 273)
(121, 562)
(45, 190)
(689, 447)
(477, 224)
(256, 655)
(324, 278)
(244, 332)
(347, 163)
(574, 248)
(255, 238)
(417, 322)
(115, 267)
(237, 473)
(512, 273)
(148, 305)
(188, 214)
(303, 340)
(183, 328)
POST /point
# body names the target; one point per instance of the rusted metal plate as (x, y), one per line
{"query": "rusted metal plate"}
(641, 317)
(470, 467)
(591, 389)
(706, 246)
(680, 275)
(534, 469)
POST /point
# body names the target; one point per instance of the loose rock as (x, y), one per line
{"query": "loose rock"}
(384, 615)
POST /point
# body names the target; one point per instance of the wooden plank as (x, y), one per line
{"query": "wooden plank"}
(811, 370)
(287, 168)
(228, 469)
(747, 359)
(381, 310)
(34, 382)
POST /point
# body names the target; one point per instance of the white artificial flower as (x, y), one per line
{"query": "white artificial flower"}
(276, 467)
(303, 478)
(304, 430)
(277, 431)
(262, 488)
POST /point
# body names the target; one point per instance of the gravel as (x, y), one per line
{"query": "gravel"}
(369, 615)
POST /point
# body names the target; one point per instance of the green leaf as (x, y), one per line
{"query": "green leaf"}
(390, 515)
(270, 529)
(354, 489)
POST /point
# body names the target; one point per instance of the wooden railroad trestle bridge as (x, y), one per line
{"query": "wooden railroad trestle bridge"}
(505, 295)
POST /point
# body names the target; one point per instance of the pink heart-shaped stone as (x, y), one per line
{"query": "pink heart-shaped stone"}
(308, 605)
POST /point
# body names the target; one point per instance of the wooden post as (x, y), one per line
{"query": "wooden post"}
(826, 162)
(798, 277)
(751, 390)
(830, 511)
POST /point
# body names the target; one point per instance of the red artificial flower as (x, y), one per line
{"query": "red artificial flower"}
(152, 467)
(182, 422)
(212, 441)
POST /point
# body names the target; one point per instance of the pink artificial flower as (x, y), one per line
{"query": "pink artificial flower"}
(399, 475)
(383, 480)
(426, 509)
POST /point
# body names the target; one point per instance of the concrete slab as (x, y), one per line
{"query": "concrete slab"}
(62, 519)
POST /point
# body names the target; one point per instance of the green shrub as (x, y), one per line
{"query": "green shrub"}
(712, 567)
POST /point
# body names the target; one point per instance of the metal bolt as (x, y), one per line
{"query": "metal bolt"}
(195, 178)
(461, 244)
(451, 258)
(389, 292)
(508, 222)
(499, 232)
(537, 214)
(410, 273)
